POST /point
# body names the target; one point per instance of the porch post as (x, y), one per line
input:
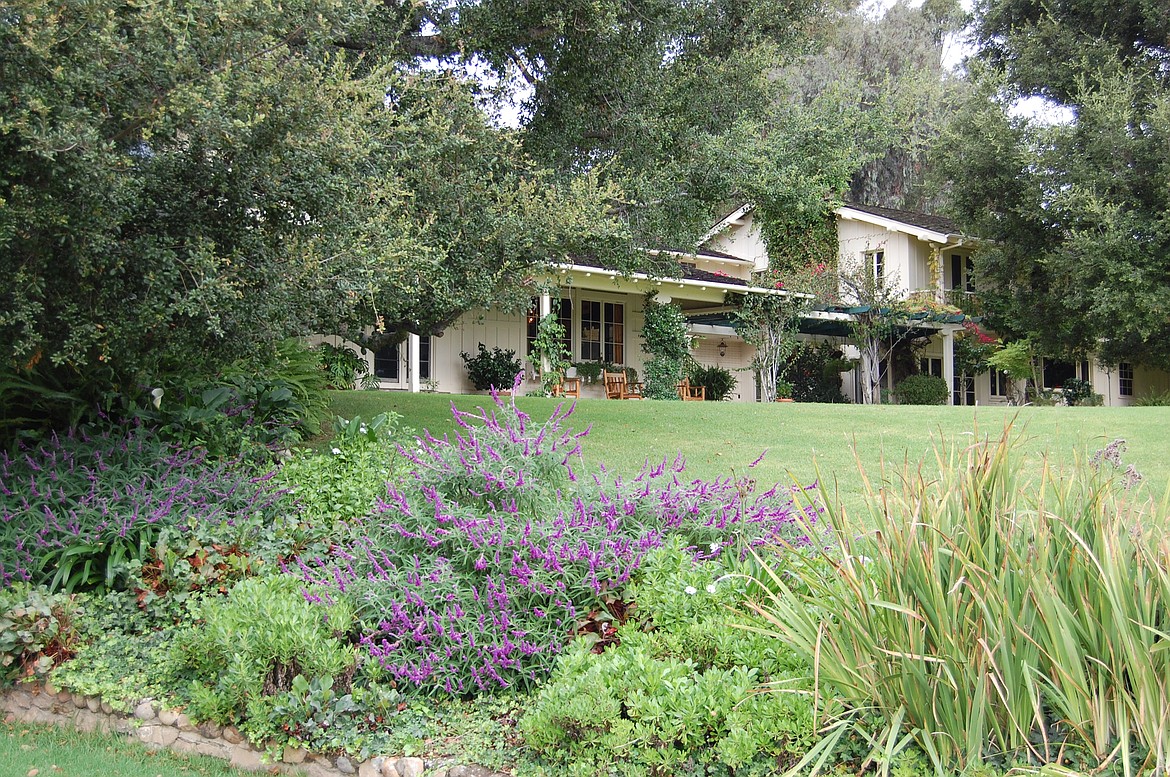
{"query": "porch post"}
(545, 309)
(949, 362)
(412, 347)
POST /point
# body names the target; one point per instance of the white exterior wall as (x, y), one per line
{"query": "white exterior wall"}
(905, 269)
(743, 240)
(1107, 383)
(737, 359)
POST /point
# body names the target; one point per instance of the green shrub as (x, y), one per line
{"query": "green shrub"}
(815, 373)
(1079, 393)
(343, 368)
(36, 628)
(334, 488)
(1153, 399)
(496, 368)
(664, 339)
(718, 381)
(119, 667)
(680, 688)
(922, 390)
(252, 645)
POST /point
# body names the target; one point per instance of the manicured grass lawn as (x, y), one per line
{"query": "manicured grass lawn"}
(46, 751)
(717, 438)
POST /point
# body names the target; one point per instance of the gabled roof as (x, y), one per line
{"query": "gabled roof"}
(940, 224)
(937, 229)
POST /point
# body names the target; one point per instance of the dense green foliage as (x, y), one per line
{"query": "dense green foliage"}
(1074, 211)
(182, 188)
(679, 686)
(665, 340)
(342, 366)
(252, 645)
(718, 381)
(922, 390)
(815, 373)
(494, 369)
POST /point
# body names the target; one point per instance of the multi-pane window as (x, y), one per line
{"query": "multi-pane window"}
(930, 366)
(877, 262)
(1125, 379)
(532, 322)
(386, 362)
(565, 317)
(1057, 372)
(615, 333)
(424, 358)
(964, 393)
(590, 330)
(603, 331)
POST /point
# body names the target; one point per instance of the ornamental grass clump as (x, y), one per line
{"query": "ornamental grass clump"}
(994, 614)
(473, 571)
(76, 510)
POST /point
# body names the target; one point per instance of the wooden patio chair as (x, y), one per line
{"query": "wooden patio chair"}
(568, 387)
(617, 387)
(689, 393)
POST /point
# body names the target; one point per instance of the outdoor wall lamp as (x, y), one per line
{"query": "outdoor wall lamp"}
(722, 348)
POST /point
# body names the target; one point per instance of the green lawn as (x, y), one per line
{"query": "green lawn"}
(27, 749)
(719, 437)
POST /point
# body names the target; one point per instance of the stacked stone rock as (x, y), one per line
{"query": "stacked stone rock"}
(157, 727)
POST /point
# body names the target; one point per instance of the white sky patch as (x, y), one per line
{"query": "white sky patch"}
(1042, 111)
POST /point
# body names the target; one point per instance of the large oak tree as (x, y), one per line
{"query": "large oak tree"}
(1078, 211)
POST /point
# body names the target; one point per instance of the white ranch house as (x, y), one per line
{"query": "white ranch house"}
(602, 312)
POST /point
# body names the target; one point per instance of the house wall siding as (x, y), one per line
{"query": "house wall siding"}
(743, 240)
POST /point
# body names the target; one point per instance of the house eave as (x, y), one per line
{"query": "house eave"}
(947, 239)
(638, 279)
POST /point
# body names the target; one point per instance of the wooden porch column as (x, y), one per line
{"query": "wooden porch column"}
(412, 348)
(545, 309)
(949, 362)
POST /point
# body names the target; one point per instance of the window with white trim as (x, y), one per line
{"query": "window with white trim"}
(876, 262)
(1125, 379)
(386, 362)
(962, 270)
(603, 331)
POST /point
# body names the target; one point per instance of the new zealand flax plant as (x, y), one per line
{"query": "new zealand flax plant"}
(991, 612)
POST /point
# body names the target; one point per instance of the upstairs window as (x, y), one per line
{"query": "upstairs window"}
(961, 273)
(876, 261)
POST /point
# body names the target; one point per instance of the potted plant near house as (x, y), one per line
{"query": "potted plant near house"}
(783, 391)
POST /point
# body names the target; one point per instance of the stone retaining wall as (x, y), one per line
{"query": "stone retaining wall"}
(157, 728)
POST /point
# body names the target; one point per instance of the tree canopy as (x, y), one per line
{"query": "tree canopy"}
(1077, 211)
(183, 184)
